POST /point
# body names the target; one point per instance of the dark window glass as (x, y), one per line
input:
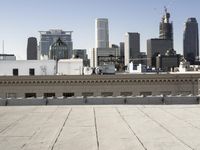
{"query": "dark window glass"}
(105, 94)
(31, 72)
(49, 95)
(27, 95)
(68, 94)
(15, 72)
(85, 94)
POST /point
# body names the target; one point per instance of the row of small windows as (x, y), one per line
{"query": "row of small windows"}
(71, 94)
(46, 95)
(87, 94)
(92, 81)
(16, 72)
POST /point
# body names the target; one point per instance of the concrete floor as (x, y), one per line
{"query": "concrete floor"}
(113, 127)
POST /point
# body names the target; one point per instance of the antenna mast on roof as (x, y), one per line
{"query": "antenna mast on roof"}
(3, 46)
(165, 9)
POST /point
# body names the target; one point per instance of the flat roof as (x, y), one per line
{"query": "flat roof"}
(111, 127)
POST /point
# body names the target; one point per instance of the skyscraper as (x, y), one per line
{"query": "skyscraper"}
(101, 33)
(191, 40)
(132, 47)
(47, 38)
(32, 48)
(155, 47)
(166, 27)
(58, 50)
(121, 45)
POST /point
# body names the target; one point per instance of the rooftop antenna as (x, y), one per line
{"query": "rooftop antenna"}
(165, 9)
(3, 46)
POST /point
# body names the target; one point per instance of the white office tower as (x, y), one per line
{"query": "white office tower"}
(101, 33)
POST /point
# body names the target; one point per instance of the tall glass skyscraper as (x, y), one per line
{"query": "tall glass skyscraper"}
(32, 48)
(101, 33)
(47, 38)
(132, 47)
(191, 40)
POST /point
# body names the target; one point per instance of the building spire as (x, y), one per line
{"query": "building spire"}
(165, 8)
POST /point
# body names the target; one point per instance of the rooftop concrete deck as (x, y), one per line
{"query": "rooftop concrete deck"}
(113, 127)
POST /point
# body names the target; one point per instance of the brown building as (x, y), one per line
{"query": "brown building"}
(98, 85)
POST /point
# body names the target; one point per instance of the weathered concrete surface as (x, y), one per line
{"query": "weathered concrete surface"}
(111, 127)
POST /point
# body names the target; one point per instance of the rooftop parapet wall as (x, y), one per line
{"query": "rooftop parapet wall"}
(114, 85)
(149, 100)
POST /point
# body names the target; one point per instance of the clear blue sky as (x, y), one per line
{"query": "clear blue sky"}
(21, 19)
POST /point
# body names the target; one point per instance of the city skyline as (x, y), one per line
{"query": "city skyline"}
(25, 18)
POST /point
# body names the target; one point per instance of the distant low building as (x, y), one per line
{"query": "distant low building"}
(27, 67)
(82, 53)
(70, 67)
(157, 46)
(7, 57)
(168, 62)
(41, 67)
(105, 56)
(142, 59)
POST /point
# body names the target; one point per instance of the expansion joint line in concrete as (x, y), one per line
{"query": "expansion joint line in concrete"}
(96, 130)
(167, 130)
(16, 121)
(130, 128)
(39, 129)
(178, 118)
(61, 129)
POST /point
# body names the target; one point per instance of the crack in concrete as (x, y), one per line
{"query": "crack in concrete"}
(130, 128)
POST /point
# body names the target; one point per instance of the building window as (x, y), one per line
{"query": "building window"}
(146, 93)
(105, 94)
(31, 72)
(184, 93)
(11, 95)
(86, 94)
(164, 93)
(28, 95)
(15, 72)
(126, 93)
(68, 94)
(49, 95)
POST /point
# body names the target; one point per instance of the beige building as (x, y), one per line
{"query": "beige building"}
(98, 85)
